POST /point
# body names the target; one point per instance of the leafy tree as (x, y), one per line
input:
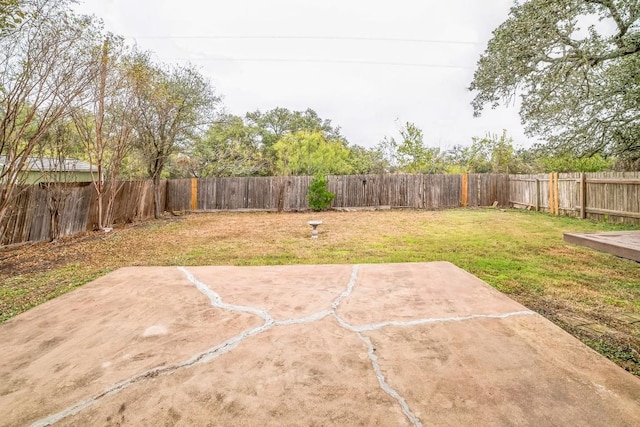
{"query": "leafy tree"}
(579, 83)
(458, 159)
(173, 104)
(229, 148)
(319, 196)
(410, 153)
(491, 154)
(272, 125)
(387, 149)
(277, 123)
(308, 153)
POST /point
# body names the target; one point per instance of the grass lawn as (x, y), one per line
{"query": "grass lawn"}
(519, 253)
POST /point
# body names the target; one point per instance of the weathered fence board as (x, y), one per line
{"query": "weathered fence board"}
(36, 209)
(487, 189)
(608, 196)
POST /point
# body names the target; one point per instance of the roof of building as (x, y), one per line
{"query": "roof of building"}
(48, 164)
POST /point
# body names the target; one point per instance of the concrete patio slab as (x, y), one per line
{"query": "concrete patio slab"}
(101, 334)
(390, 344)
(623, 244)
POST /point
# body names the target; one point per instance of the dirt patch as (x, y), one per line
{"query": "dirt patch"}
(40, 257)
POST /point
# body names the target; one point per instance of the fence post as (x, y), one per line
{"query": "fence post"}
(556, 197)
(537, 194)
(508, 192)
(583, 196)
(194, 194)
(465, 190)
(552, 203)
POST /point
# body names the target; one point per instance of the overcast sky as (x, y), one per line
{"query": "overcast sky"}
(363, 64)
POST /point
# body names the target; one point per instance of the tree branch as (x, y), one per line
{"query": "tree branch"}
(623, 27)
(615, 54)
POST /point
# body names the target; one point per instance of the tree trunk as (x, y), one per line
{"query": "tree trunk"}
(99, 124)
(100, 218)
(157, 208)
(113, 189)
(3, 221)
(6, 200)
(56, 198)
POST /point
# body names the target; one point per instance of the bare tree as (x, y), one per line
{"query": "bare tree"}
(44, 67)
(106, 128)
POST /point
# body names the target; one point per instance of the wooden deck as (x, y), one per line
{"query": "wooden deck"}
(623, 244)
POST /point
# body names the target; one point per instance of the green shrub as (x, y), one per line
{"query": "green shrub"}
(319, 197)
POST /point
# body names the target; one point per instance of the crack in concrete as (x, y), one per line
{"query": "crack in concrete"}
(371, 353)
(207, 355)
(385, 386)
(232, 343)
(377, 326)
(334, 306)
(304, 320)
(199, 358)
(216, 300)
(374, 358)
(347, 292)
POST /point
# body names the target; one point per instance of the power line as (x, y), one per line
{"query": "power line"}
(325, 61)
(333, 38)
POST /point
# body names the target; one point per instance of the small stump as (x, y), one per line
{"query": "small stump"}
(314, 231)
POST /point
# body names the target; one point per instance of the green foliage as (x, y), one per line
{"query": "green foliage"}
(364, 161)
(542, 158)
(319, 196)
(579, 83)
(279, 122)
(308, 153)
(62, 139)
(623, 354)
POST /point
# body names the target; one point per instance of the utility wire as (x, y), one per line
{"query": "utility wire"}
(324, 61)
(333, 38)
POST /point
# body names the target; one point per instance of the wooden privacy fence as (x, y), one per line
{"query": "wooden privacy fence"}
(351, 191)
(605, 196)
(599, 196)
(71, 209)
